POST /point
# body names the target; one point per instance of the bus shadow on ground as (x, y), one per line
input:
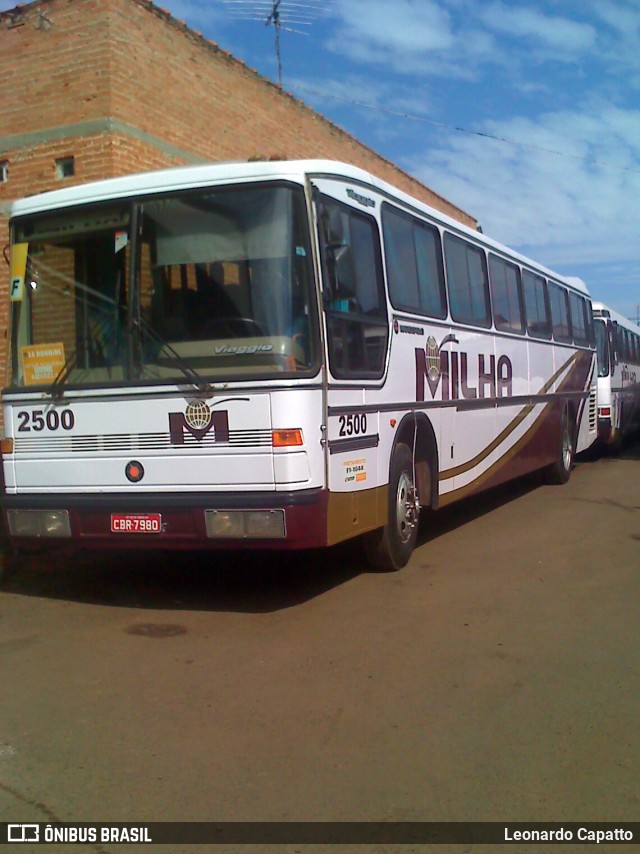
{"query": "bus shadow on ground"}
(630, 451)
(239, 581)
(437, 524)
(242, 581)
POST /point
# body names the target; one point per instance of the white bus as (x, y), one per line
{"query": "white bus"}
(618, 347)
(275, 355)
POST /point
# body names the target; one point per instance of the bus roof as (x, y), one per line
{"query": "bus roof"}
(194, 177)
(599, 308)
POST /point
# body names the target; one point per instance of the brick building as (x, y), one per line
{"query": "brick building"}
(99, 88)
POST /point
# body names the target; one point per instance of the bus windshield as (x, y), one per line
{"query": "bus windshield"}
(215, 284)
(602, 346)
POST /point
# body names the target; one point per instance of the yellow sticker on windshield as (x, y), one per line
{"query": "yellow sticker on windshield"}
(19, 253)
(41, 363)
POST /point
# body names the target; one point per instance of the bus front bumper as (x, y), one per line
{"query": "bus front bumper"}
(288, 520)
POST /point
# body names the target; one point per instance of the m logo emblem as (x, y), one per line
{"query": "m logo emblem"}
(198, 420)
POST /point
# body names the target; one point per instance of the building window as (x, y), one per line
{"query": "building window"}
(4, 171)
(65, 167)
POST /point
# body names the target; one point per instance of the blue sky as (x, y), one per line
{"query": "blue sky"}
(558, 79)
(550, 76)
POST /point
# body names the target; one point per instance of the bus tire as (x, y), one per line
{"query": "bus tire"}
(559, 471)
(389, 548)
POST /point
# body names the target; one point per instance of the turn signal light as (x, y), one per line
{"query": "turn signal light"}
(6, 446)
(286, 438)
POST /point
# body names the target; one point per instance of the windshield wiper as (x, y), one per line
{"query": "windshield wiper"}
(202, 385)
(56, 389)
(103, 328)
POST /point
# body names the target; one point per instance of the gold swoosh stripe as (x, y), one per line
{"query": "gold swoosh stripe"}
(473, 487)
(508, 430)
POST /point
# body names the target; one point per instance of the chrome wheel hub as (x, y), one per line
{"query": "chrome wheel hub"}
(407, 507)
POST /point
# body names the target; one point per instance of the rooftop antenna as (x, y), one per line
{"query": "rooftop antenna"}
(293, 16)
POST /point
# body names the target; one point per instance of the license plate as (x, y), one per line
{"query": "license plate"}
(136, 523)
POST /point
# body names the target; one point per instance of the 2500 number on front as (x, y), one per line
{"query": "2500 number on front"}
(38, 420)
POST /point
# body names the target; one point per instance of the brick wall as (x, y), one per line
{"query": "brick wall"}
(170, 81)
(55, 60)
(123, 87)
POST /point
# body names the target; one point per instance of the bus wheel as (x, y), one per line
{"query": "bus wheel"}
(390, 548)
(560, 470)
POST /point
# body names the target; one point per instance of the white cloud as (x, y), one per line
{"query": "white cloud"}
(376, 102)
(556, 32)
(562, 210)
(624, 19)
(408, 37)
(347, 88)
(456, 40)
(412, 26)
(619, 36)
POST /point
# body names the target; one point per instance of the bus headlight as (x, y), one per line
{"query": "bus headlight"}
(245, 524)
(264, 523)
(39, 523)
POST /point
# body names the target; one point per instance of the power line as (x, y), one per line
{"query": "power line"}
(414, 118)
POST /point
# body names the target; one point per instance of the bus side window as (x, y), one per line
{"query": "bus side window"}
(621, 349)
(591, 332)
(337, 257)
(506, 295)
(357, 325)
(603, 349)
(578, 308)
(559, 312)
(413, 258)
(467, 282)
(536, 307)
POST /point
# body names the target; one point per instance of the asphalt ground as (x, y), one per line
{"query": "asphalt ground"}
(495, 678)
